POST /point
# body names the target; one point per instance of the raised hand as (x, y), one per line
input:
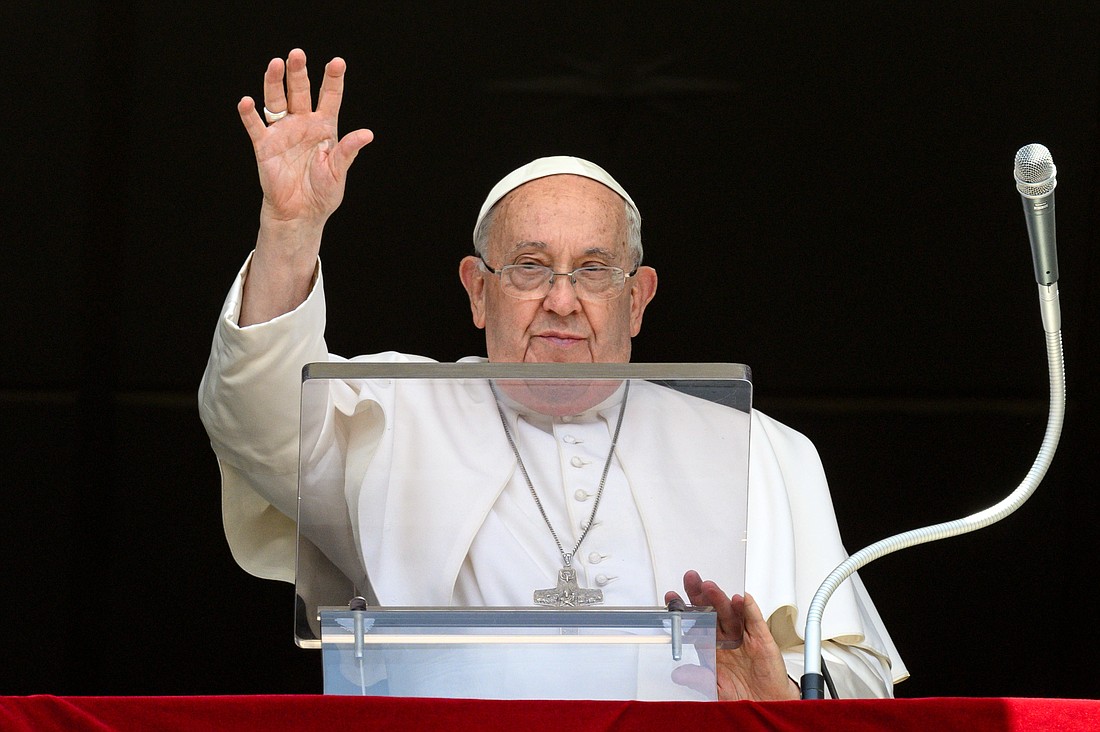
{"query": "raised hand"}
(303, 166)
(748, 662)
(302, 163)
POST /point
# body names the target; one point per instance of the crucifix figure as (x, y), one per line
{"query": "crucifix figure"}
(568, 593)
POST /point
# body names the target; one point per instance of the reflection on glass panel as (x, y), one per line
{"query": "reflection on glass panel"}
(468, 485)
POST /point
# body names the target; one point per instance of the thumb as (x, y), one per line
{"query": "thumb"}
(348, 148)
(755, 623)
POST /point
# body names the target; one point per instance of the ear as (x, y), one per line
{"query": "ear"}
(643, 286)
(469, 271)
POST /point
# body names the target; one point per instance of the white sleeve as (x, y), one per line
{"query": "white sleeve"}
(249, 404)
(794, 543)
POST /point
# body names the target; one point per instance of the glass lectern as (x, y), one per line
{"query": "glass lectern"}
(509, 530)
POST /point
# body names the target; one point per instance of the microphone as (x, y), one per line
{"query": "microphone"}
(1034, 174)
(1035, 180)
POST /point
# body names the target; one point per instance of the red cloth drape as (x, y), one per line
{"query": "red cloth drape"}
(305, 713)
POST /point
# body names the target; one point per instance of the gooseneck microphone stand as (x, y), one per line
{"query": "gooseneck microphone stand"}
(813, 678)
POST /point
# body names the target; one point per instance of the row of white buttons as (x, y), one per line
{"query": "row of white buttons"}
(601, 580)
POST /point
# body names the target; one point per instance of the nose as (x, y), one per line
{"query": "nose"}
(562, 298)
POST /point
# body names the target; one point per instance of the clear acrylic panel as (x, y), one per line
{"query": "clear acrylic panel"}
(418, 485)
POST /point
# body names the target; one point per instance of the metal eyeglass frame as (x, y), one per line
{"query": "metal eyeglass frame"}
(552, 274)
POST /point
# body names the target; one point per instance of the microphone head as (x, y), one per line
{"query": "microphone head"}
(1034, 171)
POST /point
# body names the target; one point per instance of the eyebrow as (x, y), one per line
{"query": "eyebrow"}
(542, 246)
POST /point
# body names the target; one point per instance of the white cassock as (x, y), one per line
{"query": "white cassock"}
(478, 538)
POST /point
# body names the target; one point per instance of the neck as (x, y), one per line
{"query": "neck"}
(558, 398)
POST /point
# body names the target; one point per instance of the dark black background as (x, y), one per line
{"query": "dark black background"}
(827, 196)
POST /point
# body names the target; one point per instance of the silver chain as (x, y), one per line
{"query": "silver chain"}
(567, 557)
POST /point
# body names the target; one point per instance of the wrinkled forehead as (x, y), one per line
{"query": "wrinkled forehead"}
(564, 216)
(543, 167)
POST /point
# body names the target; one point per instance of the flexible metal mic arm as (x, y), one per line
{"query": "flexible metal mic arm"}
(812, 679)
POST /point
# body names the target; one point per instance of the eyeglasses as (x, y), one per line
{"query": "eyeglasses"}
(534, 281)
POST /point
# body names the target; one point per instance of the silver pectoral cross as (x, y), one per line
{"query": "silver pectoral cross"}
(568, 593)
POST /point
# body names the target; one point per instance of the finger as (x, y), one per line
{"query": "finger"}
(348, 149)
(297, 83)
(332, 88)
(704, 592)
(729, 616)
(728, 610)
(693, 585)
(253, 125)
(753, 618)
(274, 96)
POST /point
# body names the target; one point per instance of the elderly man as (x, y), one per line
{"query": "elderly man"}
(557, 278)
